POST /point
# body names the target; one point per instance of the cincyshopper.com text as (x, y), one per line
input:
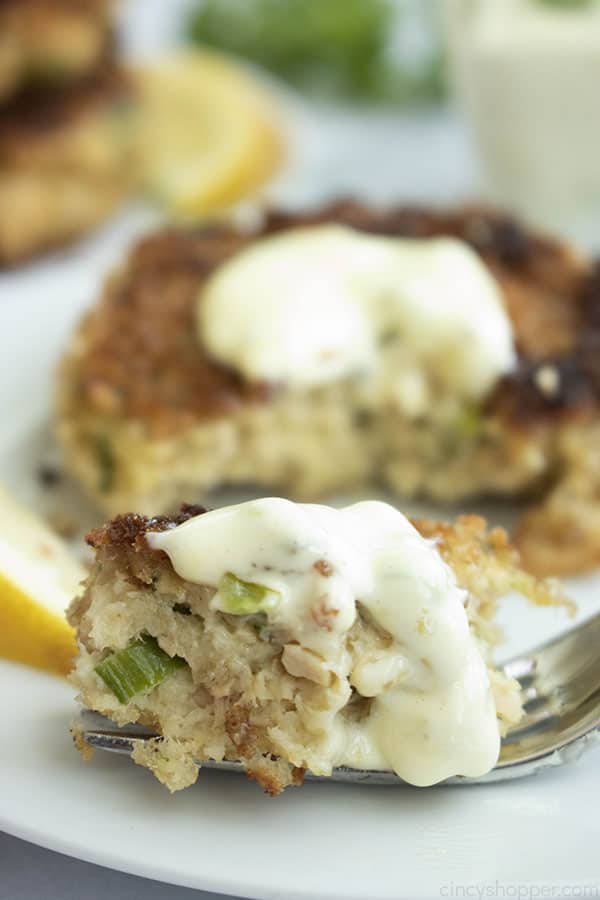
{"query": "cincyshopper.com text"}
(515, 891)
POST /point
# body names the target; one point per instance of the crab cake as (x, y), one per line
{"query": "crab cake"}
(51, 42)
(297, 637)
(66, 162)
(448, 355)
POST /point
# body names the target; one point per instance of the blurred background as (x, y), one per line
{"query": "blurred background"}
(296, 101)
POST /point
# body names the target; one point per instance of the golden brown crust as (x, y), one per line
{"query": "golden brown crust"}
(66, 162)
(128, 531)
(563, 534)
(142, 359)
(471, 549)
(78, 735)
(470, 536)
(565, 379)
(97, 6)
(122, 540)
(273, 778)
(51, 42)
(38, 113)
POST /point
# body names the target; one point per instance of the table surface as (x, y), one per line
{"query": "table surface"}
(28, 872)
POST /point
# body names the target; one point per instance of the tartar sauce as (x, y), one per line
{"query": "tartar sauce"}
(432, 713)
(412, 317)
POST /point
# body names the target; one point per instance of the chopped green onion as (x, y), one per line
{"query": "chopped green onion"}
(244, 598)
(139, 667)
(470, 422)
(106, 464)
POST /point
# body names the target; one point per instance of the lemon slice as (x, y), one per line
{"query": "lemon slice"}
(38, 579)
(206, 132)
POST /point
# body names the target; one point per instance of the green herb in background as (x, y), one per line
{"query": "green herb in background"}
(568, 4)
(331, 47)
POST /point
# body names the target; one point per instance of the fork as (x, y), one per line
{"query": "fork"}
(560, 685)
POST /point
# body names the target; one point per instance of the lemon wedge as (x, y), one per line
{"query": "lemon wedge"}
(38, 579)
(207, 132)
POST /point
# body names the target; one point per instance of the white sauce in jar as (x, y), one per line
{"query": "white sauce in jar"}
(432, 714)
(527, 73)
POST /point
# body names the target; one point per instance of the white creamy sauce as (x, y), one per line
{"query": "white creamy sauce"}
(527, 74)
(432, 714)
(411, 317)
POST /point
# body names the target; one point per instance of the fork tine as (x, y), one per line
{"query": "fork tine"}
(563, 670)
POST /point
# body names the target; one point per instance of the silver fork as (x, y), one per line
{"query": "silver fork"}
(560, 683)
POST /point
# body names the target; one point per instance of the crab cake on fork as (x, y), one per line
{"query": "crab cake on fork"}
(446, 354)
(294, 637)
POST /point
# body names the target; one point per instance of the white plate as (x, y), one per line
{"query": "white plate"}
(325, 840)
(224, 835)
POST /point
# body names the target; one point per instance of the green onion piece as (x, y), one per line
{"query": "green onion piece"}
(470, 422)
(106, 464)
(243, 598)
(139, 667)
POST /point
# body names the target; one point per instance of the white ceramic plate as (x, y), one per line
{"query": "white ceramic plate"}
(324, 840)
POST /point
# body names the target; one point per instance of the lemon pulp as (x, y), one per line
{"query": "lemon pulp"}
(207, 132)
(38, 579)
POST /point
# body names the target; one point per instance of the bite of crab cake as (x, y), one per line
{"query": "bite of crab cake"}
(51, 42)
(446, 354)
(297, 638)
(66, 162)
